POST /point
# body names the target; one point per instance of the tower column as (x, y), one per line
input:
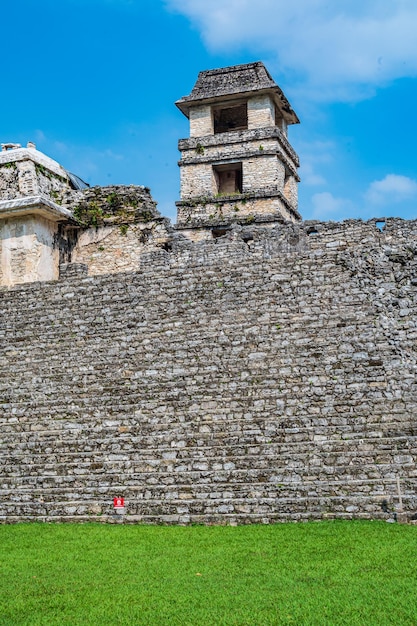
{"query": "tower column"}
(237, 164)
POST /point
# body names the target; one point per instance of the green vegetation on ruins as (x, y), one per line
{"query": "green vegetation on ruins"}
(99, 207)
(326, 573)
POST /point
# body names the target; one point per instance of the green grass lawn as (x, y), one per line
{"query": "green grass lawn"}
(317, 573)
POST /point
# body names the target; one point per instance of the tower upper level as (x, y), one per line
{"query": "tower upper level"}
(237, 164)
(240, 97)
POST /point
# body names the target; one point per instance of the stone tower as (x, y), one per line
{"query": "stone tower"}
(237, 165)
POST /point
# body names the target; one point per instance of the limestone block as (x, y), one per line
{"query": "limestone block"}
(261, 112)
(291, 190)
(201, 121)
(9, 181)
(197, 180)
(263, 172)
(28, 181)
(27, 250)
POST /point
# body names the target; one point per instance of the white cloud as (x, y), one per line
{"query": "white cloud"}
(310, 177)
(316, 155)
(338, 50)
(39, 135)
(326, 205)
(392, 188)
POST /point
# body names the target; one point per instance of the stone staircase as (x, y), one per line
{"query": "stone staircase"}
(249, 390)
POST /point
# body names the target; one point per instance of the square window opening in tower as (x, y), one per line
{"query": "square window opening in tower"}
(230, 118)
(228, 178)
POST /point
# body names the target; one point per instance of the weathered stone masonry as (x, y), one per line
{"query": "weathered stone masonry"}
(240, 366)
(265, 375)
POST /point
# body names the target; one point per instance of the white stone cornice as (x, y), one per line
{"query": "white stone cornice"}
(33, 205)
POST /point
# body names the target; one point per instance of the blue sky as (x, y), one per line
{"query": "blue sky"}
(93, 84)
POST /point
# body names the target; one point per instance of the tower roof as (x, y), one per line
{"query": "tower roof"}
(237, 80)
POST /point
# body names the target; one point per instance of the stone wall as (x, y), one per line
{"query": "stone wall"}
(270, 166)
(27, 252)
(262, 376)
(104, 228)
(28, 172)
(116, 225)
(245, 208)
(261, 112)
(268, 171)
(198, 155)
(9, 181)
(201, 121)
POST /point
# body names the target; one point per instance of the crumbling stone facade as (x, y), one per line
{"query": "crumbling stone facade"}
(114, 226)
(49, 219)
(266, 375)
(30, 184)
(237, 367)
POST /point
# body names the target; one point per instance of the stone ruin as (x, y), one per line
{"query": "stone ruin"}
(239, 366)
(237, 167)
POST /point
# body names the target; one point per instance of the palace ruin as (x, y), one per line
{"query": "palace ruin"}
(239, 366)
